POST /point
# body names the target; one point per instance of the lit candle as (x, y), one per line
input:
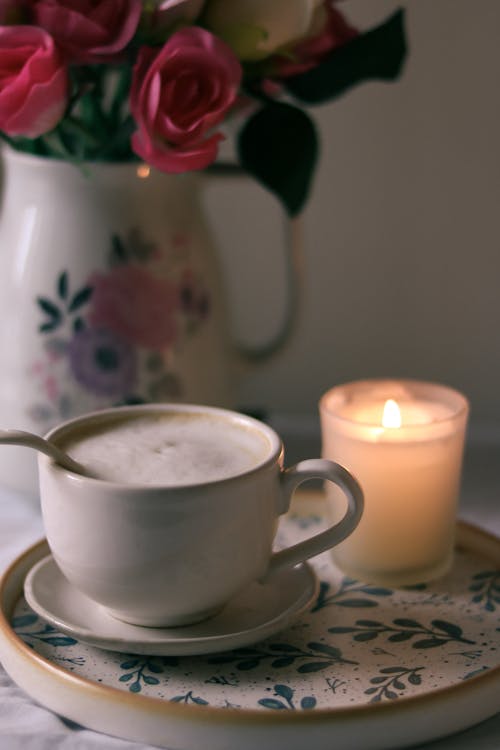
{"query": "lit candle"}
(403, 441)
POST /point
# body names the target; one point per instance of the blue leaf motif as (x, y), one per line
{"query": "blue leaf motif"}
(154, 667)
(284, 692)
(150, 680)
(283, 661)
(272, 703)
(316, 666)
(199, 701)
(308, 702)
(24, 621)
(129, 664)
(447, 627)
(126, 677)
(60, 640)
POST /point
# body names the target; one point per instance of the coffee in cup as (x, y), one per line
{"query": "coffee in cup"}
(171, 449)
(180, 511)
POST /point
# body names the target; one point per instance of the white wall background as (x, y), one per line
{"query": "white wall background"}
(401, 269)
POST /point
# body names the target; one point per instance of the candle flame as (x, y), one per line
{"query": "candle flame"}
(391, 416)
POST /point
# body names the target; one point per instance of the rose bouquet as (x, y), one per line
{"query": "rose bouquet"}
(161, 81)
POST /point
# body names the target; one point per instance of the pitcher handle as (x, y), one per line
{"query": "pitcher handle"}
(293, 280)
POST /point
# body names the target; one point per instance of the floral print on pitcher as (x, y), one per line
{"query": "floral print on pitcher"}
(110, 340)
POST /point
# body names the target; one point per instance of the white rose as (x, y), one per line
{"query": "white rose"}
(257, 28)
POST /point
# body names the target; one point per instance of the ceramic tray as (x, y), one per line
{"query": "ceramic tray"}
(366, 667)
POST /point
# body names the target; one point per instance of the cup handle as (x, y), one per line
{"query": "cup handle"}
(333, 472)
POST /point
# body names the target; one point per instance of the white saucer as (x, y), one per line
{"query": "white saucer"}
(256, 613)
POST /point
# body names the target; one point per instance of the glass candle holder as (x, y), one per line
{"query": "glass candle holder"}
(403, 440)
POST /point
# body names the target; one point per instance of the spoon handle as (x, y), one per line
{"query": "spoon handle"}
(30, 440)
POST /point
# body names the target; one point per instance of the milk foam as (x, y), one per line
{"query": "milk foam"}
(179, 449)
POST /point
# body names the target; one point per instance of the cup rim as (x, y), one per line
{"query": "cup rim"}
(460, 411)
(274, 453)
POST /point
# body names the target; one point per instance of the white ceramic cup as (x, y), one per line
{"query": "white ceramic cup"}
(160, 555)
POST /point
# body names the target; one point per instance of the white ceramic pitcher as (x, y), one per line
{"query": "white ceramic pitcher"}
(110, 293)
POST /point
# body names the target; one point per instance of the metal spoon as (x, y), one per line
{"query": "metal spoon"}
(30, 440)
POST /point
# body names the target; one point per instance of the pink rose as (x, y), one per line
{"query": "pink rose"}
(335, 32)
(33, 81)
(179, 95)
(89, 30)
(135, 306)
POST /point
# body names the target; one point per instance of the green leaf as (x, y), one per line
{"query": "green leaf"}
(151, 680)
(48, 327)
(369, 635)
(376, 591)
(283, 661)
(313, 666)
(24, 621)
(62, 285)
(378, 54)
(308, 702)
(405, 623)
(154, 668)
(447, 627)
(342, 629)
(272, 703)
(199, 701)
(60, 640)
(324, 648)
(80, 298)
(284, 691)
(404, 635)
(48, 307)
(392, 670)
(429, 643)
(415, 679)
(278, 145)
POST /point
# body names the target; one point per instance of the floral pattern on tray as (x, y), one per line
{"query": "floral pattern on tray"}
(359, 644)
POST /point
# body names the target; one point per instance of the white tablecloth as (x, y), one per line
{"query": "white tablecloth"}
(27, 726)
